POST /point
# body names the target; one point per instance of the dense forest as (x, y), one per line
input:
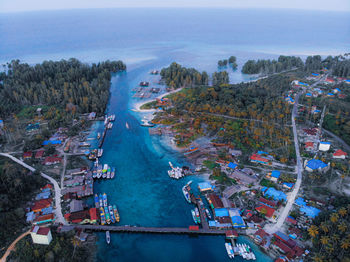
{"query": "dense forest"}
(17, 186)
(176, 76)
(220, 78)
(272, 66)
(70, 85)
(257, 111)
(330, 235)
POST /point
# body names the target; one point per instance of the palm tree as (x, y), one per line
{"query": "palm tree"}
(342, 211)
(318, 257)
(324, 240)
(345, 244)
(324, 227)
(335, 237)
(313, 231)
(342, 227)
(334, 218)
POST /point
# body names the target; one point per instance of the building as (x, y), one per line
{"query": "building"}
(324, 146)
(316, 165)
(92, 116)
(255, 158)
(205, 187)
(52, 142)
(27, 155)
(215, 201)
(232, 165)
(266, 210)
(261, 236)
(288, 186)
(40, 204)
(50, 160)
(1, 123)
(237, 220)
(93, 215)
(80, 217)
(275, 175)
(39, 154)
(76, 205)
(309, 146)
(274, 194)
(44, 219)
(41, 235)
(340, 154)
(242, 177)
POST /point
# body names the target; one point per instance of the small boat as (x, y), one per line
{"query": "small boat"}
(207, 213)
(108, 173)
(102, 216)
(127, 125)
(144, 84)
(194, 216)
(108, 237)
(104, 199)
(229, 250)
(116, 213)
(111, 213)
(97, 204)
(191, 150)
(99, 152)
(113, 172)
(186, 191)
(101, 200)
(154, 72)
(108, 217)
(196, 211)
(98, 135)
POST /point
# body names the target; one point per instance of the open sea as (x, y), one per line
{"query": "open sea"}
(150, 39)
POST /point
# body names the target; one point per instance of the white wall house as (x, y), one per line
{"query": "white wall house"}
(41, 235)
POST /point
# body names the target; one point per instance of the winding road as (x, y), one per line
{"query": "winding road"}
(58, 208)
(13, 245)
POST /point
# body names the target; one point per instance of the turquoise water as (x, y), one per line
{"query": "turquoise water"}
(151, 39)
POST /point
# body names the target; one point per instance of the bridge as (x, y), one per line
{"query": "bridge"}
(147, 230)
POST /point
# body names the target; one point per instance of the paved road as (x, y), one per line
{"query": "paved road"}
(58, 209)
(12, 246)
(271, 228)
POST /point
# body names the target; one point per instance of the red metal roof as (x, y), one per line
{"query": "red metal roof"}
(339, 152)
(42, 203)
(309, 144)
(261, 233)
(51, 159)
(258, 158)
(93, 213)
(43, 231)
(268, 202)
(27, 154)
(44, 217)
(216, 201)
(39, 154)
(269, 211)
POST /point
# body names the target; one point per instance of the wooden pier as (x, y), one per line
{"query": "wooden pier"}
(146, 230)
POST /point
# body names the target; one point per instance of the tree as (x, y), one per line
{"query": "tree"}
(313, 231)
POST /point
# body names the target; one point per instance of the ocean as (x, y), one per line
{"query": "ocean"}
(151, 39)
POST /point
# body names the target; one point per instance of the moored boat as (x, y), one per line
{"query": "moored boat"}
(113, 172)
(102, 216)
(186, 191)
(97, 205)
(116, 213)
(108, 217)
(194, 216)
(191, 150)
(207, 212)
(111, 214)
(228, 250)
(127, 125)
(104, 199)
(101, 200)
(108, 237)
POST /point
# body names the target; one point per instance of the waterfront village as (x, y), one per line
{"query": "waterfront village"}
(256, 195)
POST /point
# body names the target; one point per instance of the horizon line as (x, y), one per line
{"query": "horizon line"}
(175, 7)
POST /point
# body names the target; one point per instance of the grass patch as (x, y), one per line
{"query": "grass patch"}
(267, 183)
(210, 164)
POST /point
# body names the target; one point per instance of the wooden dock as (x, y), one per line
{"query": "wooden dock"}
(147, 230)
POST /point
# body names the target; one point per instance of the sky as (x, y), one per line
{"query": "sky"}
(37, 5)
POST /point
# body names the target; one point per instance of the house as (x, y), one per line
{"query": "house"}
(291, 220)
(93, 215)
(235, 153)
(260, 236)
(256, 158)
(43, 195)
(242, 177)
(80, 217)
(215, 201)
(264, 209)
(309, 146)
(340, 154)
(237, 220)
(205, 186)
(44, 219)
(308, 95)
(30, 216)
(50, 160)
(330, 94)
(41, 235)
(270, 203)
(39, 154)
(40, 204)
(232, 165)
(51, 142)
(76, 205)
(309, 211)
(316, 165)
(27, 155)
(288, 186)
(324, 146)
(289, 100)
(1, 123)
(275, 175)
(329, 80)
(274, 194)
(336, 90)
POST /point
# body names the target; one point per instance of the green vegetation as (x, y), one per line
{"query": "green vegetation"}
(176, 76)
(267, 183)
(339, 65)
(222, 63)
(233, 62)
(210, 164)
(63, 247)
(17, 186)
(221, 177)
(220, 78)
(68, 85)
(272, 66)
(330, 235)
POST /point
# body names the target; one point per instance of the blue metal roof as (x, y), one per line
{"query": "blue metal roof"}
(325, 143)
(290, 185)
(310, 211)
(52, 142)
(232, 165)
(204, 186)
(275, 194)
(300, 201)
(276, 173)
(221, 212)
(237, 221)
(315, 164)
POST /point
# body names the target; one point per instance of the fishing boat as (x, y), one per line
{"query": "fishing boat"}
(108, 217)
(186, 191)
(196, 211)
(99, 152)
(104, 199)
(111, 213)
(104, 171)
(191, 150)
(154, 72)
(207, 213)
(108, 173)
(97, 204)
(144, 84)
(108, 237)
(229, 250)
(116, 213)
(101, 200)
(98, 135)
(102, 216)
(194, 216)
(113, 172)
(127, 125)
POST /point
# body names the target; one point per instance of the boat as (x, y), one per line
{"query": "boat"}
(154, 72)
(104, 199)
(101, 200)
(108, 173)
(111, 214)
(127, 125)
(196, 211)
(108, 217)
(191, 150)
(144, 84)
(102, 216)
(229, 250)
(99, 171)
(194, 216)
(113, 172)
(116, 213)
(108, 237)
(98, 135)
(97, 204)
(99, 152)
(207, 213)
(186, 191)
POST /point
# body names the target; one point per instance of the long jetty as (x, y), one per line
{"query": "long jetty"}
(154, 230)
(103, 137)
